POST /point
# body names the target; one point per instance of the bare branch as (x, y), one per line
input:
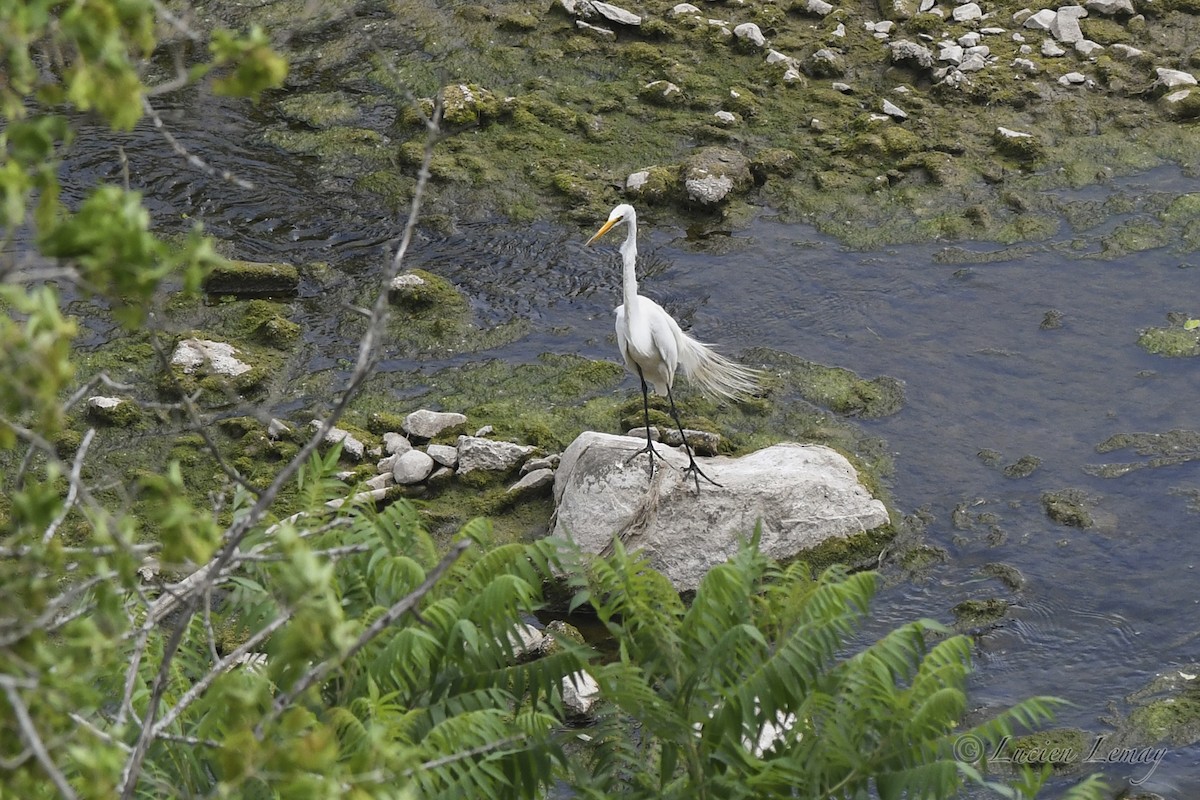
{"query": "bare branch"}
(34, 742)
(223, 666)
(388, 618)
(191, 159)
(74, 480)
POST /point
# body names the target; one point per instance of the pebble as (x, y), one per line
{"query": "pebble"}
(412, 467)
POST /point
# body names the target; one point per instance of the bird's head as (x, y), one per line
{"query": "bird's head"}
(622, 213)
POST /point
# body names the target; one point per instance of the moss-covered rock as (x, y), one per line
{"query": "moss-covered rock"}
(114, 411)
(978, 613)
(1179, 339)
(1168, 709)
(253, 279)
(1068, 507)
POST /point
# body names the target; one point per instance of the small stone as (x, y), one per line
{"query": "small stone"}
(981, 50)
(221, 358)
(750, 33)
(380, 481)
(683, 9)
(926, 5)
(1041, 21)
(475, 454)
(1182, 103)
(840, 31)
(1125, 51)
(443, 454)
(905, 50)
(277, 428)
(486, 430)
(579, 694)
(1025, 65)
(637, 180)
(395, 443)
(549, 462)
(113, 411)
(952, 53)
(598, 31)
(967, 12)
(992, 31)
(252, 279)
(439, 478)
(640, 433)
(661, 92)
(1111, 8)
(386, 464)
(533, 481)
(412, 467)
(704, 443)
(1086, 47)
(1008, 133)
(1065, 27)
(1173, 78)
(526, 640)
(351, 447)
(616, 14)
(792, 75)
(972, 63)
(1072, 79)
(776, 57)
(1051, 49)
(726, 118)
(426, 424)
(893, 110)
(818, 7)
(838, 86)
(884, 27)
(826, 63)
(969, 39)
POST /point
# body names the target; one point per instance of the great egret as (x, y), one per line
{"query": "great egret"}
(653, 345)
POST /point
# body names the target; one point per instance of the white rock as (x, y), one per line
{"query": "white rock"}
(412, 467)
(749, 32)
(966, 12)
(525, 639)
(350, 446)
(486, 430)
(103, 403)
(1025, 65)
(1050, 48)
(381, 481)
(534, 480)
(427, 424)
(408, 280)
(1017, 37)
(726, 117)
(894, 111)
(1072, 79)
(972, 63)
(1111, 8)
(549, 462)
(579, 694)
(992, 31)
(475, 453)
(220, 357)
(776, 57)
(1011, 134)
(969, 39)
(883, 27)
(444, 454)
(840, 31)
(386, 464)
(1125, 51)
(1086, 47)
(981, 50)
(1173, 78)
(818, 7)
(951, 52)
(277, 428)
(1024, 49)
(926, 5)
(1042, 20)
(616, 13)
(911, 51)
(598, 31)
(637, 180)
(683, 9)
(708, 189)
(801, 495)
(394, 443)
(792, 75)
(1065, 27)
(844, 88)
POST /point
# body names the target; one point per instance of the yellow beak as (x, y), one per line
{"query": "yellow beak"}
(604, 229)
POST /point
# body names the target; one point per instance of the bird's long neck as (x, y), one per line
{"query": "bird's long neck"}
(629, 257)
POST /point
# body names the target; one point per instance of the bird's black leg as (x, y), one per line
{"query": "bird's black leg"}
(693, 468)
(649, 448)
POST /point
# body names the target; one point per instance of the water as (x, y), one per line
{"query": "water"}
(1101, 611)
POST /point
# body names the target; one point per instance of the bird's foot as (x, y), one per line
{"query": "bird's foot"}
(651, 453)
(693, 469)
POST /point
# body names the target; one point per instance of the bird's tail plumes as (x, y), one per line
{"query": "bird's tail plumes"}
(713, 373)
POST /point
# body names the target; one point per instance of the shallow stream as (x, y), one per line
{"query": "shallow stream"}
(1101, 612)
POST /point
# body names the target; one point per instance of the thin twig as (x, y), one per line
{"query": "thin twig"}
(73, 482)
(34, 742)
(462, 756)
(192, 159)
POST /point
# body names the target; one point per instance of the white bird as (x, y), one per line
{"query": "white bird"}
(653, 345)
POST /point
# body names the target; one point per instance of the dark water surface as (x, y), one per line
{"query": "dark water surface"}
(1102, 611)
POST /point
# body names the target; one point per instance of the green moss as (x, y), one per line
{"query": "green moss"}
(430, 291)
(860, 551)
(1173, 341)
(123, 415)
(319, 109)
(979, 613)
(1007, 574)
(1062, 749)
(1173, 718)
(1023, 467)
(1067, 507)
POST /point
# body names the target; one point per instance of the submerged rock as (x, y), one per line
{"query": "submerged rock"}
(711, 174)
(802, 495)
(219, 358)
(250, 279)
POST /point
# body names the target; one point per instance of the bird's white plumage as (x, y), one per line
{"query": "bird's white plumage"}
(649, 338)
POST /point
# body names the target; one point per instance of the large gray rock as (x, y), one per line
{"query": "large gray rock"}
(710, 174)
(351, 447)
(801, 494)
(412, 467)
(219, 357)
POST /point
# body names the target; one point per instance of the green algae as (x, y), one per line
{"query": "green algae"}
(252, 278)
(1069, 507)
(1164, 450)
(1167, 709)
(1175, 340)
(979, 613)
(1023, 467)
(1061, 749)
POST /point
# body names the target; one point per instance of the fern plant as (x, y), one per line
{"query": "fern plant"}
(749, 691)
